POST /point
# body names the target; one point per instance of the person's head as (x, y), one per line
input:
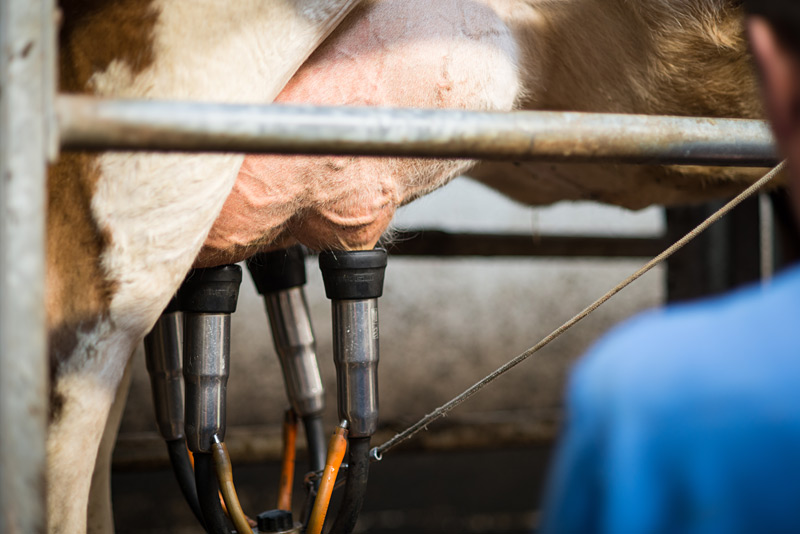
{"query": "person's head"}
(774, 29)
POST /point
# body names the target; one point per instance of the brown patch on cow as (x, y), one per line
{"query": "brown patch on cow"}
(93, 35)
(645, 56)
(97, 32)
(703, 65)
(78, 291)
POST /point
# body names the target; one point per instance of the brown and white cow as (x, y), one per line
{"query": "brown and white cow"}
(123, 229)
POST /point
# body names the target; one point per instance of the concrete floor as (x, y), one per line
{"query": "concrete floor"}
(430, 493)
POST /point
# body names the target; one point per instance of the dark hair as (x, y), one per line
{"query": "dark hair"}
(783, 15)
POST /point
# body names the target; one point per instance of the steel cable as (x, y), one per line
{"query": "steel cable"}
(378, 452)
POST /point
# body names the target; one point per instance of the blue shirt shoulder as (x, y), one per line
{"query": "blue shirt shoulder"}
(687, 419)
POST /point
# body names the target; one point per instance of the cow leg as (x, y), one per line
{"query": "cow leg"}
(153, 231)
(101, 514)
(82, 403)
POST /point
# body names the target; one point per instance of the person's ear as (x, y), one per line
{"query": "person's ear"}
(780, 77)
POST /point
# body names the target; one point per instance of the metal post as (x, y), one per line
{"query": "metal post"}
(723, 258)
(26, 98)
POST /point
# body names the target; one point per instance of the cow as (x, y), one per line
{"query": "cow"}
(123, 229)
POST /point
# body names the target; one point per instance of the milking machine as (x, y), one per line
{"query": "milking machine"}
(192, 348)
(279, 278)
(163, 349)
(207, 299)
(353, 281)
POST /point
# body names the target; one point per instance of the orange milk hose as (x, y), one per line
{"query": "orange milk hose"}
(222, 464)
(221, 498)
(287, 467)
(337, 447)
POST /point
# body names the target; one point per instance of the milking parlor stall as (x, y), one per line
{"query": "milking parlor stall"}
(271, 393)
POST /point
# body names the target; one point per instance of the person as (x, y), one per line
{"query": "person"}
(687, 419)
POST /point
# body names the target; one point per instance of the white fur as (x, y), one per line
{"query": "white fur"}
(87, 391)
(101, 515)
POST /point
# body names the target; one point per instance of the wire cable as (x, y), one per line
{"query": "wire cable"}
(378, 452)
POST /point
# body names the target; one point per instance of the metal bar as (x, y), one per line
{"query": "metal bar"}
(26, 70)
(438, 243)
(96, 124)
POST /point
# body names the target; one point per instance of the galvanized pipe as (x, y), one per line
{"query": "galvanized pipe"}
(95, 124)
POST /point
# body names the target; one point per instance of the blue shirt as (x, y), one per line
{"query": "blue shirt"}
(687, 420)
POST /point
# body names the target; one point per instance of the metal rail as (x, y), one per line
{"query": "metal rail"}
(450, 244)
(27, 68)
(88, 123)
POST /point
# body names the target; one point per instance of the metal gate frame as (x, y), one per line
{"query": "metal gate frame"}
(27, 134)
(30, 136)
